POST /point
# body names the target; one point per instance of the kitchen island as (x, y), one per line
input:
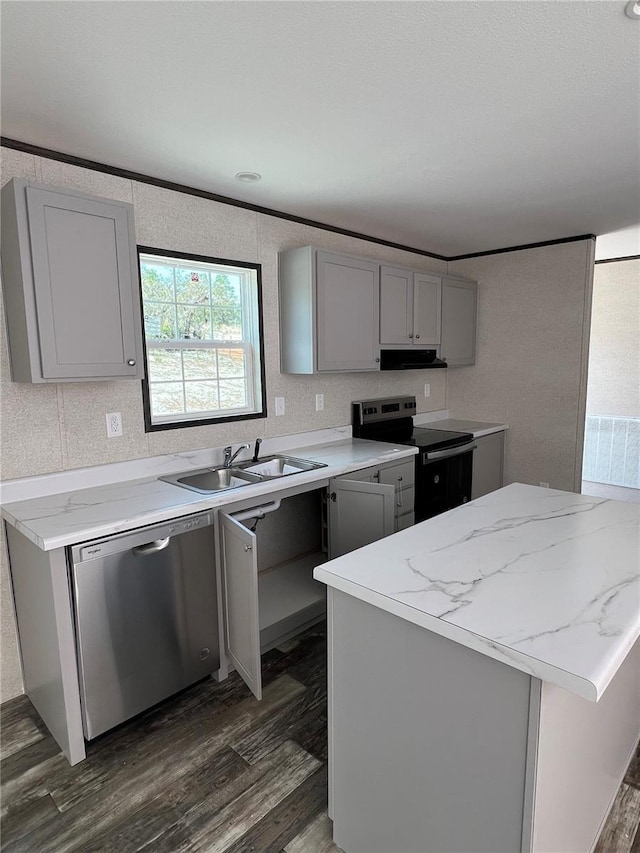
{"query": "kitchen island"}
(484, 677)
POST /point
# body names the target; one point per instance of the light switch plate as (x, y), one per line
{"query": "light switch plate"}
(279, 406)
(319, 402)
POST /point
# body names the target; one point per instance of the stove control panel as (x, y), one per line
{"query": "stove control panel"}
(385, 409)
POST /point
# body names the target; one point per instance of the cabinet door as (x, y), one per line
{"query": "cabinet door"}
(347, 313)
(427, 305)
(459, 309)
(242, 615)
(359, 513)
(396, 306)
(488, 464)
(84, 286)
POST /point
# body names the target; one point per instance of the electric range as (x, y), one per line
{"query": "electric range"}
(444, 464)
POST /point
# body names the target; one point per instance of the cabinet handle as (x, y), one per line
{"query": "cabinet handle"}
(410, 334)
(377, 360)
(417, 336)
(248, 548)
(131, 362)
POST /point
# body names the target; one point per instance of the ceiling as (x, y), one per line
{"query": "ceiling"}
(451, 127)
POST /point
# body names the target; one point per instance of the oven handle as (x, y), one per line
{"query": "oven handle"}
(444, 454)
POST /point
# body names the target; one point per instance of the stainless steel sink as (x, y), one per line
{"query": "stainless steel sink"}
(270, 467)
(207, 480)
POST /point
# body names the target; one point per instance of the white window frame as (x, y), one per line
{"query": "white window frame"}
(252, 342)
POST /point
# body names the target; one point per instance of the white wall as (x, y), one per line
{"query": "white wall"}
(619, 244)
(613, 387)
(533, 325)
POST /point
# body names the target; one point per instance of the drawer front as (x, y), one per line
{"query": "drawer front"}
(402, 475)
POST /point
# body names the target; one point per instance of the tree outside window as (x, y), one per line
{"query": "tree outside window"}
(203, 339)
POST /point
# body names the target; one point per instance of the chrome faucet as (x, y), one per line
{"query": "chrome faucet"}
(229, 455)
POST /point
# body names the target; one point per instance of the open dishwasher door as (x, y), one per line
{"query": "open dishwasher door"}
(146, 617)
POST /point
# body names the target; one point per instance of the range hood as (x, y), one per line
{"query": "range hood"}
(402, 359)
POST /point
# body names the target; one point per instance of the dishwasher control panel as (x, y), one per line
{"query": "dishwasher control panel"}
(143, 535)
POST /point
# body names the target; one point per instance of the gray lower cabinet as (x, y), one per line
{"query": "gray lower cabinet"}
(70, 285)
(329, 312)
(410, 307)
(488, 464)
(402, 477)
(268, 554)
(459, 317)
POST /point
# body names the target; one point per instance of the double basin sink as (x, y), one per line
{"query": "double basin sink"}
(208, 480)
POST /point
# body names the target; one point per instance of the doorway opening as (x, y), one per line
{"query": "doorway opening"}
(611, 459)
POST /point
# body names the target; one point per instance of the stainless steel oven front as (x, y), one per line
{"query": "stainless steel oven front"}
(443, 479)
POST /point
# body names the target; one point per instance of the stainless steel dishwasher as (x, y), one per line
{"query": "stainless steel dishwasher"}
(146, 617)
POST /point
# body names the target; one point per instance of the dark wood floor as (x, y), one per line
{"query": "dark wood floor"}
(209, 770)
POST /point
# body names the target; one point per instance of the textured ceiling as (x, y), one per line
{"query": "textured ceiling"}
(451, 127)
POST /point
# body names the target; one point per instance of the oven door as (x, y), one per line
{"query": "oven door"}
(443, 480)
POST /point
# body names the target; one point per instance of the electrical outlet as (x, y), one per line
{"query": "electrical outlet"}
(544, 485)
(279, 406)
(427, 389)
(319, 402)
(114, 425)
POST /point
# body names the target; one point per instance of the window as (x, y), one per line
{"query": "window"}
(203, 339)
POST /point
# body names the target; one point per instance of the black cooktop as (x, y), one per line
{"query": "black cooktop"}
(391, 419)
(436, 439)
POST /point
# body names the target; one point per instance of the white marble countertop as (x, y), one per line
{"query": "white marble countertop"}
(477, 428)
(67, 518)
(545, 581)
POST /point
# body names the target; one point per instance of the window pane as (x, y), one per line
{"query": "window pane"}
(201, 396)
(194, 322)
(157, 282)
(231, 362)
(200, 364)
(164, 364)
(227, 324)
(159, 321)
(233, 394)
(225, 291)
(201, 322)
(167, 398)
(192, 286)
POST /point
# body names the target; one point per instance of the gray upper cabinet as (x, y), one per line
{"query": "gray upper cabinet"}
(70, 285)
(410, 308)
(329, 312)
(459, 313)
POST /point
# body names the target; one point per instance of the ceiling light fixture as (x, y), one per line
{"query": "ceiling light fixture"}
(632, 10)
(248, 177)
